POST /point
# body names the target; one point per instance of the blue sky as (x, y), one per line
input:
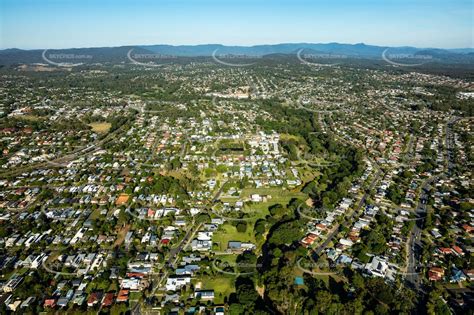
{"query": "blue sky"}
(32, 24)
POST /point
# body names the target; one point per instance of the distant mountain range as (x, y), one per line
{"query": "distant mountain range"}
(351, 50)
(146, 53)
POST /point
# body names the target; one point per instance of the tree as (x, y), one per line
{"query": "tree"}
(436, 305)
(236, 309)
(221, 168)
(376, 242)
(358, 281)
(277, 210)
(287, 232)
(202, 218)
(241, 227)
(246, 294)
(247, 261)
(394, 194)
(259, 227)
(323, 301)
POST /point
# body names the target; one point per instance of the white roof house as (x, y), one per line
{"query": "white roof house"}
(173, 284)
(377, 267)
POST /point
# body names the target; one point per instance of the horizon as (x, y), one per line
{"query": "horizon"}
(63, 24)
(230, 45)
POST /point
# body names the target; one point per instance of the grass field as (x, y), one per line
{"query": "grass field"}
(326, 278)
(286, 136)
(31, 117)
(277, 194)
(228, 232)
(230, 199)
(100, 127)
(222, 286)
(231, 258)
(135, 296)
(95, 214)
(308, 174)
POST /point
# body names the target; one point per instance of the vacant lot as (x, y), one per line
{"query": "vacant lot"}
(100, 127)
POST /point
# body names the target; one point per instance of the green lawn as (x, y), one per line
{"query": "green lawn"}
(135, 296)
(95, 214)
(230, 199)
(222, 285)
(307, 174)
(278, 194)
(227, 232)
(231, 258)
(257, 210)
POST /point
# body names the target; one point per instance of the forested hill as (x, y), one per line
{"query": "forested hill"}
(335, 50)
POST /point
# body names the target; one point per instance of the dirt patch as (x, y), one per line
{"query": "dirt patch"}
(121, 235)
(42, 68)
(122, 199)
(100, 127)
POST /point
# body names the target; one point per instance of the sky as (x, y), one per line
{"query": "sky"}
(36, 24)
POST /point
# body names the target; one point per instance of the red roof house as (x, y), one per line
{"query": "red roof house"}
(435, 273)
(108, 299)
(123, 295)
(49, 303)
